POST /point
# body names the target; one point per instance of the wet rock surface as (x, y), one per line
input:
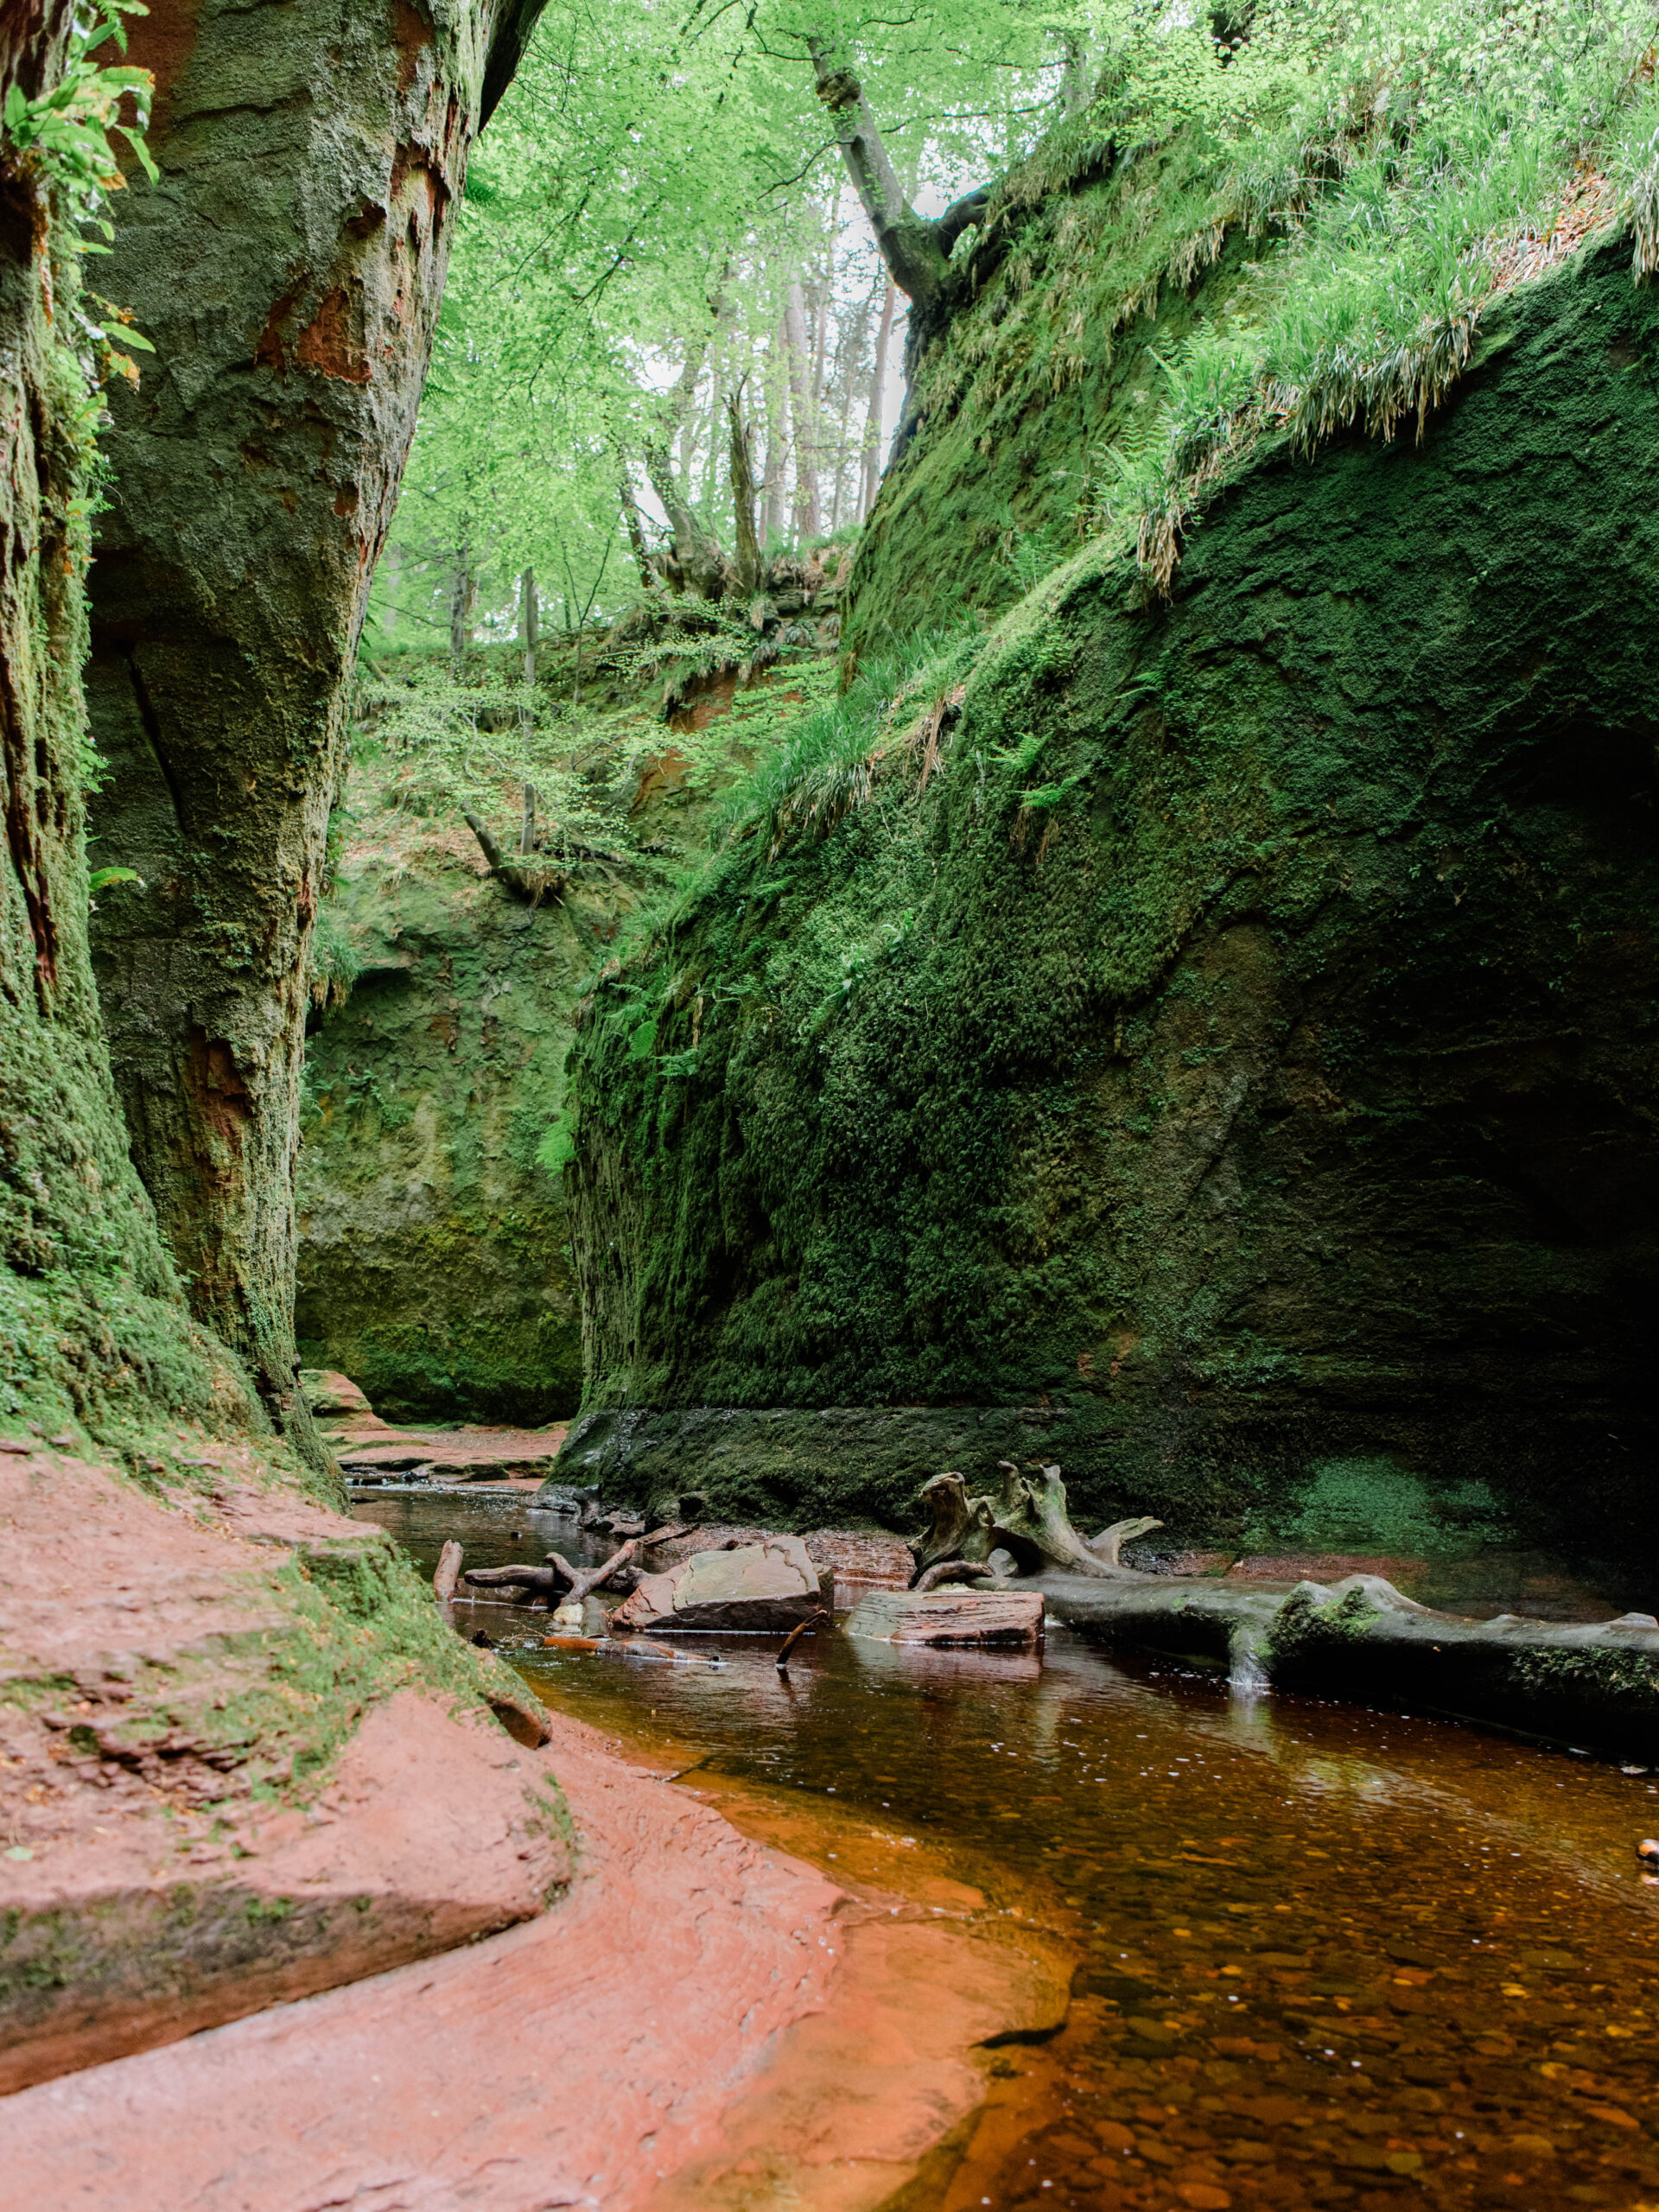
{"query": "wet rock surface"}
(771, 1585)
(526, 2072)
(205, 1812)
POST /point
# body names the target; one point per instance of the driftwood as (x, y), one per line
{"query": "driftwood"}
(1032, 1524)
(963, 1527)
(953, 1570)
(813, 1620)
(541, 1583)
(1360, 1637)
(1029, 1522)
(1582, 1684)
(543, 1580)
(585, 1580)
(1109, 1542)
(448, 1573)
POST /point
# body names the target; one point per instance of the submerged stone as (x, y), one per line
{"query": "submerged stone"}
(949, 1617)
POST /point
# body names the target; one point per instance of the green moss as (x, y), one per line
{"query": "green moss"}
(1232, 1050)
(431, 1261)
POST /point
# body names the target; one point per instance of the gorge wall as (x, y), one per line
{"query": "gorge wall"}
(434, 1261)
(1221, 1056)
(196, 1649)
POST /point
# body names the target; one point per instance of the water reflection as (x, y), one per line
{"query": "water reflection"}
(1332, 1956)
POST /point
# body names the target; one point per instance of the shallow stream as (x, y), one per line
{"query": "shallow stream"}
(1326, 1954)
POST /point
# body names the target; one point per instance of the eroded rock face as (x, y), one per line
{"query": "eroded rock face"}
(288, 267)
(220, 1792)
(1254, 1100)
(769, 1586)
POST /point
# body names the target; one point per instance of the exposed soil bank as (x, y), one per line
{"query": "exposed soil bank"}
(694, 1990)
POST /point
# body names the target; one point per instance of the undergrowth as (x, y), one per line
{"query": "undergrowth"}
(1440, 156)
(1373, 176)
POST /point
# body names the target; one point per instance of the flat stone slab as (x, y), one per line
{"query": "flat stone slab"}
(991, 1617)
(464, 1454)
(851, 1554)
(769, 1586)
(511, 2075)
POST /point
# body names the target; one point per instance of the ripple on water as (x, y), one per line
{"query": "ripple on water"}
(1331, 1956)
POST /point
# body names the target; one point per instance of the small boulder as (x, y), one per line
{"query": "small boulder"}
(326, 1392)
(767, 1586)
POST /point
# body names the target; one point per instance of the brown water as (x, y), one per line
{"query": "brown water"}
(1328, 1955)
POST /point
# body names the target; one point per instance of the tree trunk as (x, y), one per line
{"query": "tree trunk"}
(636, 529)
(853, 354)
(909, 243)
(288, 268)
(463, 598)
(1074, 74)
(528, 622)
(808, 521)
(872, 426)
(777, 438)
(695, 560)
(748, 549)
(95, 1323)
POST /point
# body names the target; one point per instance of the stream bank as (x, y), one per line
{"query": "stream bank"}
(1328, 1954)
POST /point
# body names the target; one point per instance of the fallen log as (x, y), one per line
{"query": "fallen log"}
(448, 1573)
(585, 1580)
(543, 1579)
(630, 1647)
(1589, 1684)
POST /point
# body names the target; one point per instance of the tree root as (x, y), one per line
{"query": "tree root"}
(1111, 1541)
(952, 1570)
(962, 1526)
(1029, 1522)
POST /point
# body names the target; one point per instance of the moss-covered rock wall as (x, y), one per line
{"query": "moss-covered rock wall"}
(286, 265)
(1091, 268)
(434, 1261)
(1233, 1073)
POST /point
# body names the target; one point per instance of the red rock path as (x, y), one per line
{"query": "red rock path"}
(671, 2011)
